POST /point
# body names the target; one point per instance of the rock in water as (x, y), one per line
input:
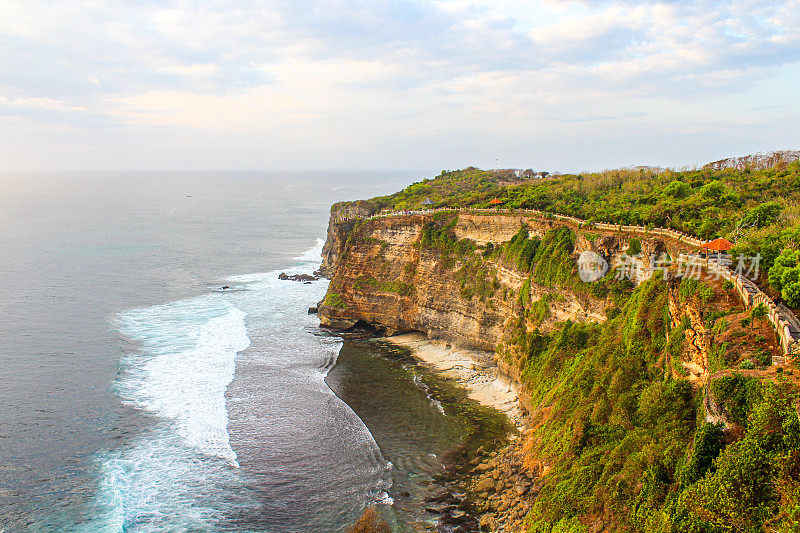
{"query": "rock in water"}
(297, 277)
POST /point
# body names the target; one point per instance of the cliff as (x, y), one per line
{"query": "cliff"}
(620, 377)
(388, 273)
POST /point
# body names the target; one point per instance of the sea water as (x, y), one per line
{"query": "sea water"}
(139, 395)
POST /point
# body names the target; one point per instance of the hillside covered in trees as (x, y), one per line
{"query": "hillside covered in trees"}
(757, 209)
(655, 405)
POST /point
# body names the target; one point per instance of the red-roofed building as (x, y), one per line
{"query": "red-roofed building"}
(717, 245)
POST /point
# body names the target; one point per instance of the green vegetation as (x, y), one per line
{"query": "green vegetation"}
(784, 276)
(553, 260)
(477, 278)
(737, 394)
(379, 242)
(549, 261)
(747, 364)
(739, 205)
(691, 287)
(703, 202)
(707, 445)
(437, 233)
(625, 434)
(716, 357)
(450, 188)
(334, 300)
(613, 412)
(369, 283)
(755, 485)
(758, 311)
(521, 250)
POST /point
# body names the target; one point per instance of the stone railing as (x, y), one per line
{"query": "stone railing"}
(750, 294)
(677, 235)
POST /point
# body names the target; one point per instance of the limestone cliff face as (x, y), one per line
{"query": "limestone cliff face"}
(482, 228)
(698, 337)
(382, 275)
(339, 228)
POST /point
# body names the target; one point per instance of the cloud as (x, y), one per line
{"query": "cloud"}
(444, 69)
(221, 46)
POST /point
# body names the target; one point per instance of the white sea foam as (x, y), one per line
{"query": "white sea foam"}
(313, 254)
(177, 475)
(185, 363)
(179, 371)
(157, 484)
(384, 499)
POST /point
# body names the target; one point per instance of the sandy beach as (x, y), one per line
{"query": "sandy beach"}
(470, 369)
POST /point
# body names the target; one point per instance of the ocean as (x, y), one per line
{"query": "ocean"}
(139, 395)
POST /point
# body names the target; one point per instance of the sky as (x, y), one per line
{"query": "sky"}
(389, 85)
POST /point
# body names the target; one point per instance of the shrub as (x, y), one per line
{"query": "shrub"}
(438, 233)
(764, 358)
(687, 288)
(737, 394)
(763, 215)
(335, 300)
(705, 292)
(677, 189)
(552, 263)
(707, 445)
(784, 276)
(754, 486)
(758, 311)
(369, 283)
(713, 189)
(521, 250)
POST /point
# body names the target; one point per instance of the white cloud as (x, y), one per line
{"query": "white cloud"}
(38, 103)
(363, 75)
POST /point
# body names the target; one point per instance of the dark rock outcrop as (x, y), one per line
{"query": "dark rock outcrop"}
(297, 277)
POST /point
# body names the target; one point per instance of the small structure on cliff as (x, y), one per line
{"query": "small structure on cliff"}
(717, 245)
(427, 203)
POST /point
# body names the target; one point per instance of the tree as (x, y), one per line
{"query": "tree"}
(762, 215)
(677, 189)
(784, 276)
